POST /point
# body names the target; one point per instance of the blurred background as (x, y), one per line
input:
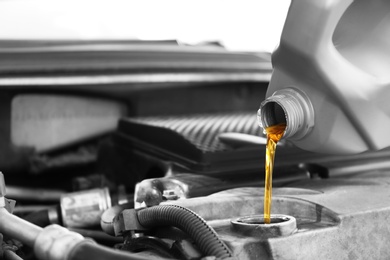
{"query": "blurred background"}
(238, 25)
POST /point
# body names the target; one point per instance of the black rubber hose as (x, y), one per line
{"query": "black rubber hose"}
(188, 221)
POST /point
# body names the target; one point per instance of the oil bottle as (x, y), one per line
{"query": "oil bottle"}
(331, 80)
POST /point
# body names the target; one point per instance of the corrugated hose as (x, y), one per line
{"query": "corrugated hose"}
(188, 221)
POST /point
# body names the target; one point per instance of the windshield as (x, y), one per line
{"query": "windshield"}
(238, 25)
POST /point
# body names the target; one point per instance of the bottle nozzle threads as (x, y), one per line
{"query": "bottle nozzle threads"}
(291, 107)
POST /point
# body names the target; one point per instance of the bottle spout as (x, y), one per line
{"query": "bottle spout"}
(288, 106)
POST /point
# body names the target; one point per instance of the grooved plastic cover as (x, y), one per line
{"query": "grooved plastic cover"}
(203, 130)
(193, 140)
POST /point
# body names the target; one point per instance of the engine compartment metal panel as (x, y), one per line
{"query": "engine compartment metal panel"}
(337, 218)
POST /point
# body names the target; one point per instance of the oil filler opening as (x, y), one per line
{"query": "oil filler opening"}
(260, 221)
(254, 226)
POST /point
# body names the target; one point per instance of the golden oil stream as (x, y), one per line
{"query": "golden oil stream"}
(274, 134)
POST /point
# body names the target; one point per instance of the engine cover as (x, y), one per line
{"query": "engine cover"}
(344, 217)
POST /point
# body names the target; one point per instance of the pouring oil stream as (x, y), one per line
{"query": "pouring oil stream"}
(274, 134)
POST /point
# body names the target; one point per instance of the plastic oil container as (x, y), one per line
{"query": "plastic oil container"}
(331, 78)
